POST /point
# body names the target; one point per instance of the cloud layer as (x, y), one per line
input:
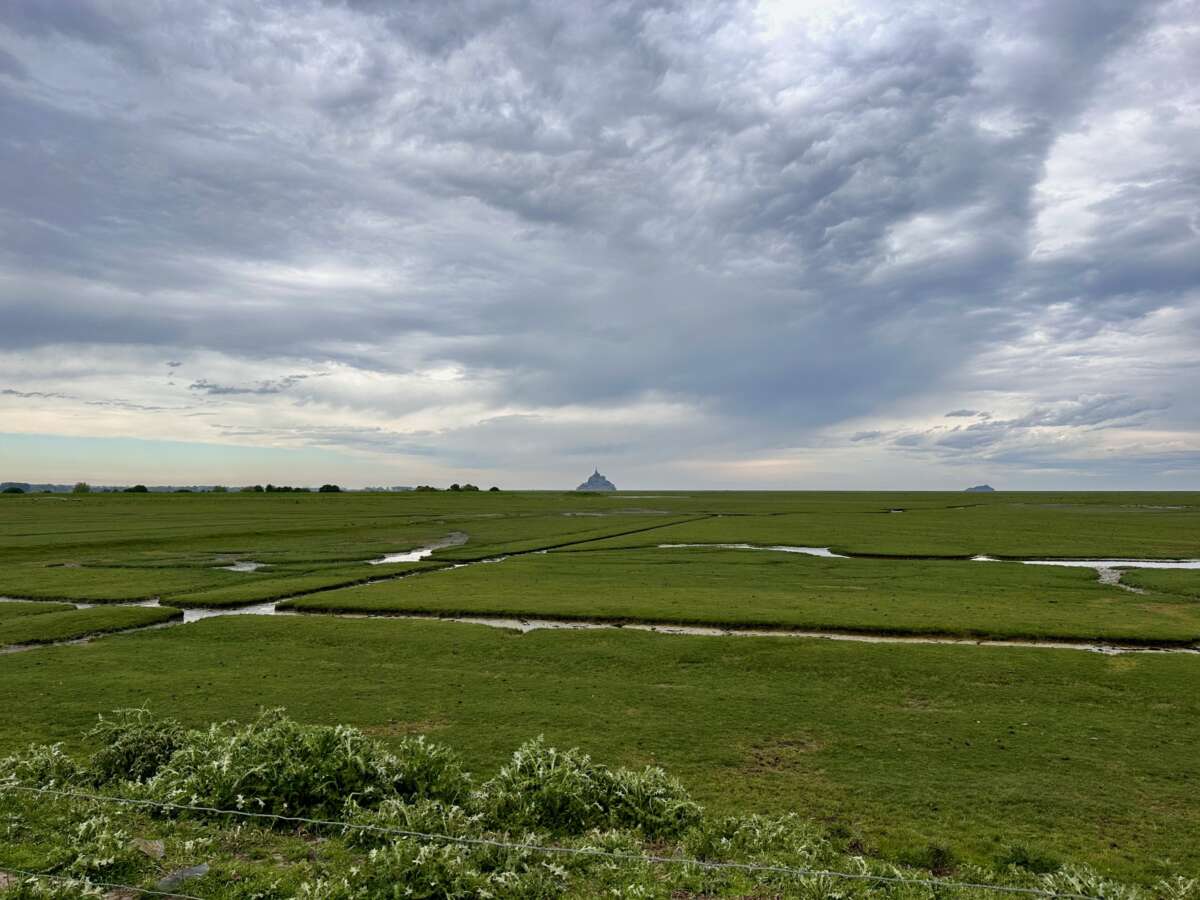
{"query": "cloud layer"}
(747, 244)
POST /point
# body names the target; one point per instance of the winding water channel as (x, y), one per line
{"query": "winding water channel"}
(1108, 571)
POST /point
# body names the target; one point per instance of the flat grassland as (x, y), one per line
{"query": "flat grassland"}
(70, 624)
(764, 589)
(1089, 758)
(1085, 757)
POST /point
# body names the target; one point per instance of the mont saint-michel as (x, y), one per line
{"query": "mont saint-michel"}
(597, 482)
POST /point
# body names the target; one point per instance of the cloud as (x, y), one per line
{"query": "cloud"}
(503, 221)
(32, 395)
(277, 386)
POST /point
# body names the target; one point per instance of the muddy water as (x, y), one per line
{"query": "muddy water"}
(807, 551)
(1117, 563)
(243, 567)
(257, 609)
(455, 540)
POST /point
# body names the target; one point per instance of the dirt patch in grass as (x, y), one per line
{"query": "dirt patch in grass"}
(404, 729)
(781, 754)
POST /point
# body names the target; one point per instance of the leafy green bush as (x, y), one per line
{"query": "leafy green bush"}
(652, 801)
(937, 858)
(102, 847)
(277, 765)
(1030, 860)
(424, 770)
(41, 765)
(423, 816)
(45, 889)
(541, 787)
(756, 837)
(133, 745)
(442, 872)
(565, 792)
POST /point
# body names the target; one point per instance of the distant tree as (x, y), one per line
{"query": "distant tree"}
(183, 490)
(493, 489)
(469, 487)
(258, 489)
(81, 487)
(456, 486)
(13, 489)
(425, 487)
(220, 489)
(137, 489)
(329, 489)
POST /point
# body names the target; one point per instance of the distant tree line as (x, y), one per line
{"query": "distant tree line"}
(286, 489)
(83, 487)
(455, 487)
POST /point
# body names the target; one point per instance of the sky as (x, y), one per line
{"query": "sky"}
(842, 244)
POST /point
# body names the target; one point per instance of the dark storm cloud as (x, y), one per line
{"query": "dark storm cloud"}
(586, 206)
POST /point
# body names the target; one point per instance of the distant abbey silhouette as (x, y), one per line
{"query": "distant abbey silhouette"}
(597, 482)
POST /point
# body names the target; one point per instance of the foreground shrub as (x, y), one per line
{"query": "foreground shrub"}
(541, 787)
(600, 827)
(564, 792)
(1030, 860)
(445, 872)
(41, 765)
(44, 889)
(937, 858)
(422, 816)
(276, 765)
(651, 801)
(134, 745)
(787, 837)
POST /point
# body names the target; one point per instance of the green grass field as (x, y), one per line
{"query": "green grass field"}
(1089, 758)
(741, 588)
(17, 608)
(69, 624)
(972, 748)
(1183, 583)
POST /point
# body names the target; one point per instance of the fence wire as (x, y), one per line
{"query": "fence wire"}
(594, 852)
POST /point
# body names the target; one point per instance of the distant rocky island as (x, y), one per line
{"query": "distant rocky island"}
(980, 489)
(597, 482)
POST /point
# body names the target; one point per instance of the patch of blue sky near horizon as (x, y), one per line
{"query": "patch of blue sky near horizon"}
(838, 244)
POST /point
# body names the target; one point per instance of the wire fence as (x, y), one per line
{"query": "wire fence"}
(82, 882)
(548, 849)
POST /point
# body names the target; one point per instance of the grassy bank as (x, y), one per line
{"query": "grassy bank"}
(972, 748)
(69, 624)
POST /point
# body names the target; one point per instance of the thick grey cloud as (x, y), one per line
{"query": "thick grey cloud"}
(714, 232)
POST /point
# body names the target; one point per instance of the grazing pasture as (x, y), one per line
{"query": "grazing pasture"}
(974, 749)
(58, 624)
(749, 588)
(909, 752)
